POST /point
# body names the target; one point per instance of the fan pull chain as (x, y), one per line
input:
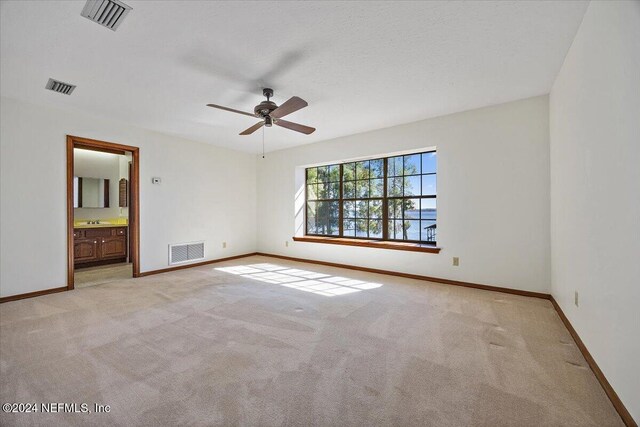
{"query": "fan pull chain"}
(263, 142)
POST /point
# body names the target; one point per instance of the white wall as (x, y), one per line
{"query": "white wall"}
(493, 196)
(207, 193)
(595, 191)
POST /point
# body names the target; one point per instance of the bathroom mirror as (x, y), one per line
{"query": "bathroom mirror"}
(90, 192)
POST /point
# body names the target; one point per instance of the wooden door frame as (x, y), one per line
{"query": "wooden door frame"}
(134, 208)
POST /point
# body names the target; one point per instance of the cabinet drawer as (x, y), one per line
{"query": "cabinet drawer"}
(91, 233)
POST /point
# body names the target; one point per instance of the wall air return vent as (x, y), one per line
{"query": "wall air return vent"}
(60, 87)
(186, 252)
(108, 13)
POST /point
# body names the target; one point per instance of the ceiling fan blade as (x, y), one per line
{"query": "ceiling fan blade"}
(293, 104)
(230, 109)
(295, 126)
(252, 129)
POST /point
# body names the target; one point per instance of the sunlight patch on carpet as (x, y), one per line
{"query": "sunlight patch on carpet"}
(302, 280)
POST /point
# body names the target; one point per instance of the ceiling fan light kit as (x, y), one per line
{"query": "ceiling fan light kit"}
(270, 113)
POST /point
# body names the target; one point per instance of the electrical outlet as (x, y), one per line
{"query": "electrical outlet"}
(575, 298)
(456, 261)
(286, 243)
(224, 245)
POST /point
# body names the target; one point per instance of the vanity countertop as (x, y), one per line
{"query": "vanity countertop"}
(102, 225)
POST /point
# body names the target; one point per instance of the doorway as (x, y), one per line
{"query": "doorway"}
(99, 247)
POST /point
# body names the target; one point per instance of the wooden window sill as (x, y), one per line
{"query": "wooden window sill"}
(398, 246)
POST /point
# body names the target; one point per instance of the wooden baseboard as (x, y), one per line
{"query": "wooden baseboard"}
(416, 276)
(611, 393)
(81, 265)
(196, 264)
(32, 294)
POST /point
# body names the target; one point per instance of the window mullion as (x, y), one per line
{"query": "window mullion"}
(369, 206)
(385, 203)
(306, 201)
(340, 213)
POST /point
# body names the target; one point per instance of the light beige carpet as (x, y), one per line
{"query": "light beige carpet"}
(261, 341)
(98, 275)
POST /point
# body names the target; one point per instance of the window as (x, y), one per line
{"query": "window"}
(323, 200)
(392, 198)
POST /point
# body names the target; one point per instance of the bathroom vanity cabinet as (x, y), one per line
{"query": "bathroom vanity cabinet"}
(99, 245)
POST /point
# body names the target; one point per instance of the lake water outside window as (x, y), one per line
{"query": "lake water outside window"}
(392, 198)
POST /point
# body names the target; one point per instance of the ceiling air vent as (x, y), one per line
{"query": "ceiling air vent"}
(108, 13)
(60, 87)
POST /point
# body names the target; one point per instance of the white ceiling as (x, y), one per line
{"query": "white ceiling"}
(360, 65)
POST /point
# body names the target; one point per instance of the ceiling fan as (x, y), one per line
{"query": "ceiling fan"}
(270, 113)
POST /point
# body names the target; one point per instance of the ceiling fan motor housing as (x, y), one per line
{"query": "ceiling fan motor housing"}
(264, 108)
